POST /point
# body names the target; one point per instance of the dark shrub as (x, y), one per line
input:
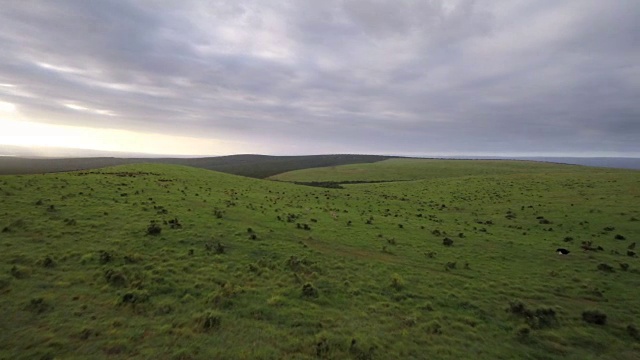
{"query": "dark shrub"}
(624, 266)
(19, 272)
(633, 331)
(397, 282)
(322, 348)
(538, 319)
(115, 278)
(219, 248)
(210, 321)
(105, 257)
(605, 268)
(175, 223)
(154, 229)
(37, 306)
(48, 262)
(450, 266)
(447, 242)
(135, 297)
(594, 317)
(543, 318)
(523, 332)
(631, 253)
(309, 291)
(619, 237)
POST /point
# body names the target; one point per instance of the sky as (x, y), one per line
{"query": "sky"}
(417, 78)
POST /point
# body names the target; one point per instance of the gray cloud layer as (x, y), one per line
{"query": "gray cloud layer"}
(439, 76)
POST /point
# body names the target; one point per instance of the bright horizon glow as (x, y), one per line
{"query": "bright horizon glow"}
(18, 131)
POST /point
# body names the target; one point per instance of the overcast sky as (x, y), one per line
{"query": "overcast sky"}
(512, 77)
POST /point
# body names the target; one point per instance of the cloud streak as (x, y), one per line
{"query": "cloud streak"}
(414, 77)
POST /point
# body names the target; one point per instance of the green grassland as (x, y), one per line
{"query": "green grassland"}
(173, 262)
(403, 169)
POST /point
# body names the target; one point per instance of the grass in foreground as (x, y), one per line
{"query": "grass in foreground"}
(180, 263)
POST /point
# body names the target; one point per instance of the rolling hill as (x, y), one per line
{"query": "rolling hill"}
(458, 261)
(256, 166)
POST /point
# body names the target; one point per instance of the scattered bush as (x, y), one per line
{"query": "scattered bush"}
(309, 291)
(154, 229)
(605, 267)
(594, 317)
(434, 327)
(5, 282)
(447, 242)
(48, 262)
(633, 331)
(115, 278)
(174, 224)
(105, 257)
(210, 320)
(397, 282)
(624, 266)
(631, 253)
(619, 237)
(38, 306)
(538, 319)
(450, 266)
(523, 332)
(134, 297)
(322, 348)
(219, 248)
(20, 272)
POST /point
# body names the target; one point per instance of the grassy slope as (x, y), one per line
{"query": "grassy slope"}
(382, 284)
(415, 169)
(256, 166)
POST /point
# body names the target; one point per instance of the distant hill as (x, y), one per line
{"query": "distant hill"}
(256, 166)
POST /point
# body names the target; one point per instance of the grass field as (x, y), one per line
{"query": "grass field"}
(173, 262)
(416, 169)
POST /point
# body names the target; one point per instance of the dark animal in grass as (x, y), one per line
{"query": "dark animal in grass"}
(562, 251)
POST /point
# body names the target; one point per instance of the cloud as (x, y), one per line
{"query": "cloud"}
(357, 76)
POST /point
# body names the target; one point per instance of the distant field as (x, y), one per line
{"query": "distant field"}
(255, 166)
(174, 262)
(415, 169)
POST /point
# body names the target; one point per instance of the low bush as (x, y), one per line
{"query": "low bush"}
(536, 319)
(209, 320)
(309, 291)
(397, 282)
(605, 267)
(153, 229)
(594, 317)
